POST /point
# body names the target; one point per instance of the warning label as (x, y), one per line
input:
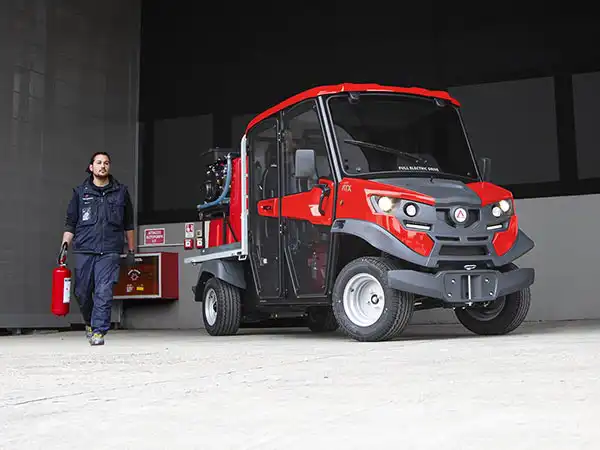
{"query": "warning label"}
(154, 236)
(189, 230)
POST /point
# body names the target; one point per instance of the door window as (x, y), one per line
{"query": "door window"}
(302, 130)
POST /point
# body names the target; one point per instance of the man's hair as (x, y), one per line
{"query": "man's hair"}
(87, 169)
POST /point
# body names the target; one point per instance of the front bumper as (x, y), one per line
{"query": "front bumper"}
(462, 286)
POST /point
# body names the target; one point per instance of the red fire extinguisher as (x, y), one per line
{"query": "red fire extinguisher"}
(61, 285)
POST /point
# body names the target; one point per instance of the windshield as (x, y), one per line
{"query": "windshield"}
(395, 135)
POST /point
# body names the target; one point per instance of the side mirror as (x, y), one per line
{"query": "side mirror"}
(305, 163)
(485, 167)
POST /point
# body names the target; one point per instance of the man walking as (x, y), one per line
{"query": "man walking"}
(99, 214)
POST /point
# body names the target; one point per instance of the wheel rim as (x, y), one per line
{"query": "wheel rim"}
(363, 299)
(487, 311)
(210, 307)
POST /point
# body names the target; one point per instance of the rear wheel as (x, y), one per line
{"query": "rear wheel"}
(222, 308)
(322, 320)
(366, 308)
(498, 317)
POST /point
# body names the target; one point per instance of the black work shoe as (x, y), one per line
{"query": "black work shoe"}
(97, 339)
(88, 332)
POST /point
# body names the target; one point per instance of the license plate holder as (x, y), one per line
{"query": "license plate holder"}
(470, 285)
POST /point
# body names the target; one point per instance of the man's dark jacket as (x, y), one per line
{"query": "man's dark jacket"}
(99, 216)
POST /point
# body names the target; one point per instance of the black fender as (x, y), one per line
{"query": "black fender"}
(231, 272)
(523, 244)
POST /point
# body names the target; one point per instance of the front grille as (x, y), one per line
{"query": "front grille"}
(463, 250)
(448, 238)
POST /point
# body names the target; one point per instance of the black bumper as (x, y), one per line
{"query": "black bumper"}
(460, 286)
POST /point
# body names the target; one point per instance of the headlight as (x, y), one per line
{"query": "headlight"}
(410, 209)
(503, 207)
(386, 204)
(383, 204)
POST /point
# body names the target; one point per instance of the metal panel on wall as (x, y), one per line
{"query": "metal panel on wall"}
(514, 123)
(586, 91)
(68, 87)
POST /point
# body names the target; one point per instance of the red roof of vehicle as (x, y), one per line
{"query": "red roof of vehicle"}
(345, 87)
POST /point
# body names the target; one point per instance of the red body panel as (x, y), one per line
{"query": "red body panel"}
(504, 240)
(305, 205)
(235, 205)
(215, 234)
(353, 203)
(301, 206)
(345, 87)
(489, 193)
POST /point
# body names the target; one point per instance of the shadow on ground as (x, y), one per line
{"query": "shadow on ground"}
(426, 332)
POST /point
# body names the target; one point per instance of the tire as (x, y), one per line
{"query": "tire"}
(500, 318)
(322, 320)
(222, 308)
(388, 316)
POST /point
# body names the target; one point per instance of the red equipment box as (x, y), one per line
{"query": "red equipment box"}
(154, 276)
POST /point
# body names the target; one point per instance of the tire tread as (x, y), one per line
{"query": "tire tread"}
(508, 320)
(402, 314)
(228, 308)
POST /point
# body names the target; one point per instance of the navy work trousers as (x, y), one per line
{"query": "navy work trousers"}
(95, 277)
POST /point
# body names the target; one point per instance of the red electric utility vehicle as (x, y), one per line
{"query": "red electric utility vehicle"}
(353, 206)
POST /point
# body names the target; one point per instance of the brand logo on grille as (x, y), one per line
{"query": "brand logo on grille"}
(460, 215)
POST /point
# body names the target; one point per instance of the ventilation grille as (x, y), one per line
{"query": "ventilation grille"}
(463, 250)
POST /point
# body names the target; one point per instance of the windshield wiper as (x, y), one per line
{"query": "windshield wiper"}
(383, 148)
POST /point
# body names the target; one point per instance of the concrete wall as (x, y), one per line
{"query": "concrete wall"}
(565, 258)
(68, 87)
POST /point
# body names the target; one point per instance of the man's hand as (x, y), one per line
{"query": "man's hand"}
(130, 259)
(62, 254)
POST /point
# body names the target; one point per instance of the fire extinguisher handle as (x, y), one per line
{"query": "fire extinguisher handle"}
(62, 255)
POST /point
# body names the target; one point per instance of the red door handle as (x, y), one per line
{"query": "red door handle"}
(267, 206)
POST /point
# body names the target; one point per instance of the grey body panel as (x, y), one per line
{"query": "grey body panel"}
(462, 286)
(378, 237)
(383, 240)
(445, 192)
(231, 272)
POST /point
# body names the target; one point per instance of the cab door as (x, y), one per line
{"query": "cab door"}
(264, 221)
(306, 203)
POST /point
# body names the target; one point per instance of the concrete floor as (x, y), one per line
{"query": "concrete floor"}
(438, 387)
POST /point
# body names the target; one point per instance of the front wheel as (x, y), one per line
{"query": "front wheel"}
(222, 308)
(499, 317)
(365, 307)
